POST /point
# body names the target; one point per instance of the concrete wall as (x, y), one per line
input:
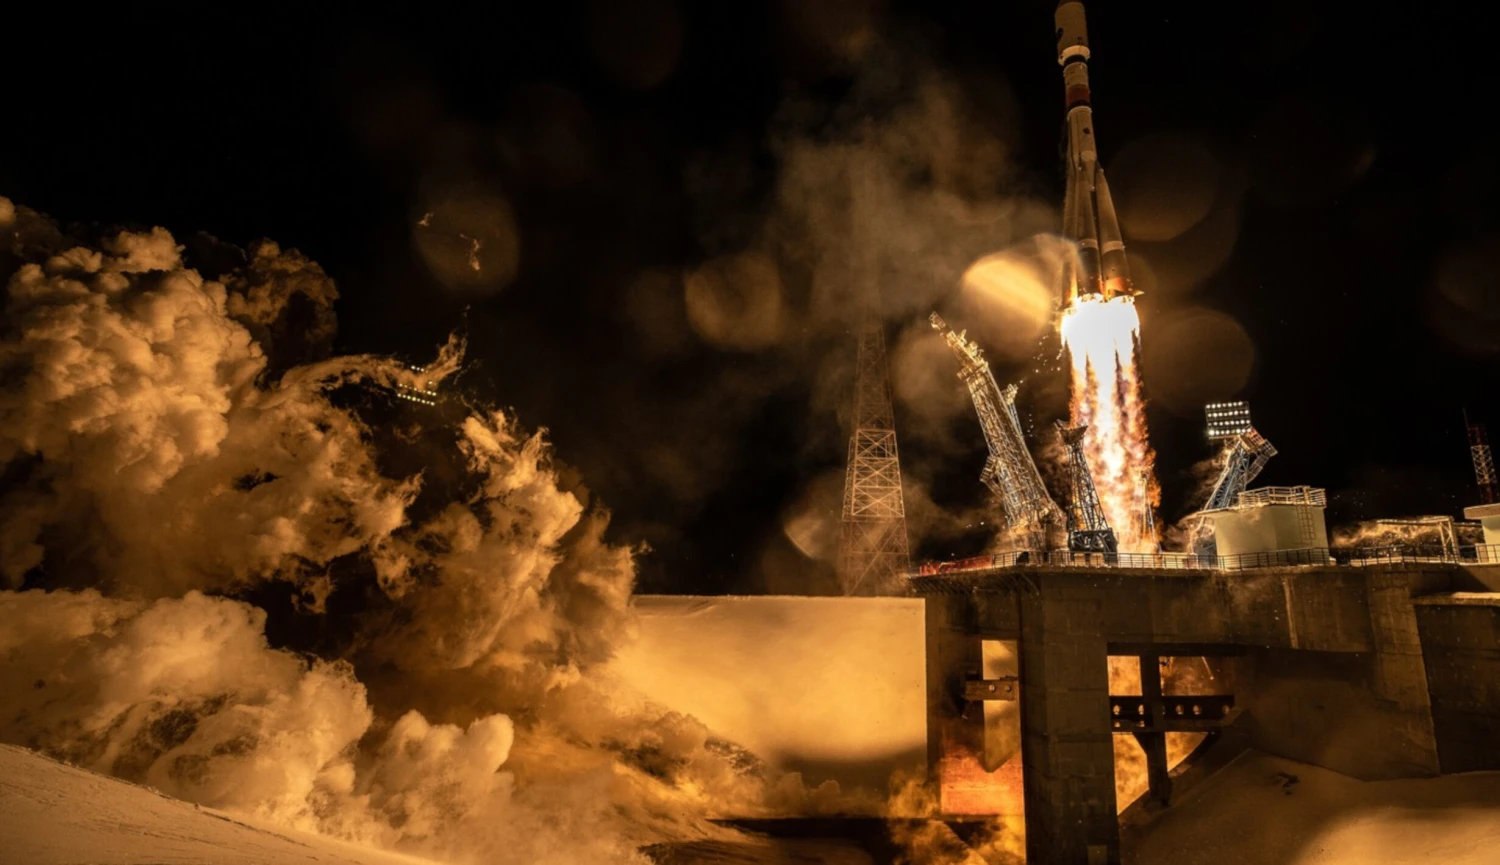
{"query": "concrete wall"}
(1461, 643)
(1322, 708)
(834, 688)
(1338, 680)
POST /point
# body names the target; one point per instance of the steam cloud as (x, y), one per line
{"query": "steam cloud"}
(173, 476)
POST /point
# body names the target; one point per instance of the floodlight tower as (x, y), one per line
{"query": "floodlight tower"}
(1245, 452)
(427, 394)
(1227, 420)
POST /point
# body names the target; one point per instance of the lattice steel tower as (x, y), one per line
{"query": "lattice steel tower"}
(873, 553)
(1484, 460)
(1088, 530)
(1010, 472)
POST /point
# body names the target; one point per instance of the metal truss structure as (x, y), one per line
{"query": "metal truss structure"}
(873, 551)
(1245, 456)
(1484, 461)
(1088, 530)
(1010, 473)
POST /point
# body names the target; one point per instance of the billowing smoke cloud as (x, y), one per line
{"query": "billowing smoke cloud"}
(143, 445)
(185, 694)
(1187, 533)
(169, 486)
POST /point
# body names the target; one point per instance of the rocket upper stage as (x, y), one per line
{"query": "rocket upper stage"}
(1088, 211)
(1072, 31)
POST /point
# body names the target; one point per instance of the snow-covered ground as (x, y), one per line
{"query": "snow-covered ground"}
(1260, 810)
(1263, 810)
(55, 814)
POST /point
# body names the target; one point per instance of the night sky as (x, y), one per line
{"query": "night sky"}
(1312, 188)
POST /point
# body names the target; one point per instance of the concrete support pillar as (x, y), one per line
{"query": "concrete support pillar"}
(1159, 779)
(1066, 733)
(955, 730)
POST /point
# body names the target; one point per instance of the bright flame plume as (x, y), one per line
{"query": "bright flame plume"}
(1101, 337)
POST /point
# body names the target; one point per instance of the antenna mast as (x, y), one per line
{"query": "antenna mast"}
(1484, 460)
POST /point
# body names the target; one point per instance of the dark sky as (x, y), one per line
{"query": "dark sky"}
(1334, 161)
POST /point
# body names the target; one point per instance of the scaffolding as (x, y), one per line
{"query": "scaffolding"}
(1311, 496)
(872, 543)
(1010, 473)
(1088, 530)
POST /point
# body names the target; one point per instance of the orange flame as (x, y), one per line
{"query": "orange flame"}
(1101, 336)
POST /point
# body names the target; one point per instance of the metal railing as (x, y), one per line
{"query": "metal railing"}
(1474, 554)
(1477, 554)
(1312, 496)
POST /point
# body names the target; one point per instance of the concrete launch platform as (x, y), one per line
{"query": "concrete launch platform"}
(1375, 672)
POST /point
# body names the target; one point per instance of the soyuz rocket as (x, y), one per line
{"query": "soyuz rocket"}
(1088, 211)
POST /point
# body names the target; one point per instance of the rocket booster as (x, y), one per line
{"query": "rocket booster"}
(1088, 211)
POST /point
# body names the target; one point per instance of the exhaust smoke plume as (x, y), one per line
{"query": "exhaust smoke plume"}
(177, 486)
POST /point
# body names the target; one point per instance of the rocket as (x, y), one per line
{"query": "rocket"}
(1088, 211)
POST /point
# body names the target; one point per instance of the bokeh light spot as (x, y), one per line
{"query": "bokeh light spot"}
(1011, 297)
(735, 301)
(468, 240)
(1194, 356)
(1163, 185)
(636, 42)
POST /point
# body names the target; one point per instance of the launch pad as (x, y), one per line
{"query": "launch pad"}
(1376, 672)
(1374, 663)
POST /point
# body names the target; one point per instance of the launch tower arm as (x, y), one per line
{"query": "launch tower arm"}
(1245, 457)
(1010, 471)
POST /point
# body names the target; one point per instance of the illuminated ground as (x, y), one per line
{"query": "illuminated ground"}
(1263, 810)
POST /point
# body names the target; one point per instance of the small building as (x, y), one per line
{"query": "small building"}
(1270, 520)
(1489, 517)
